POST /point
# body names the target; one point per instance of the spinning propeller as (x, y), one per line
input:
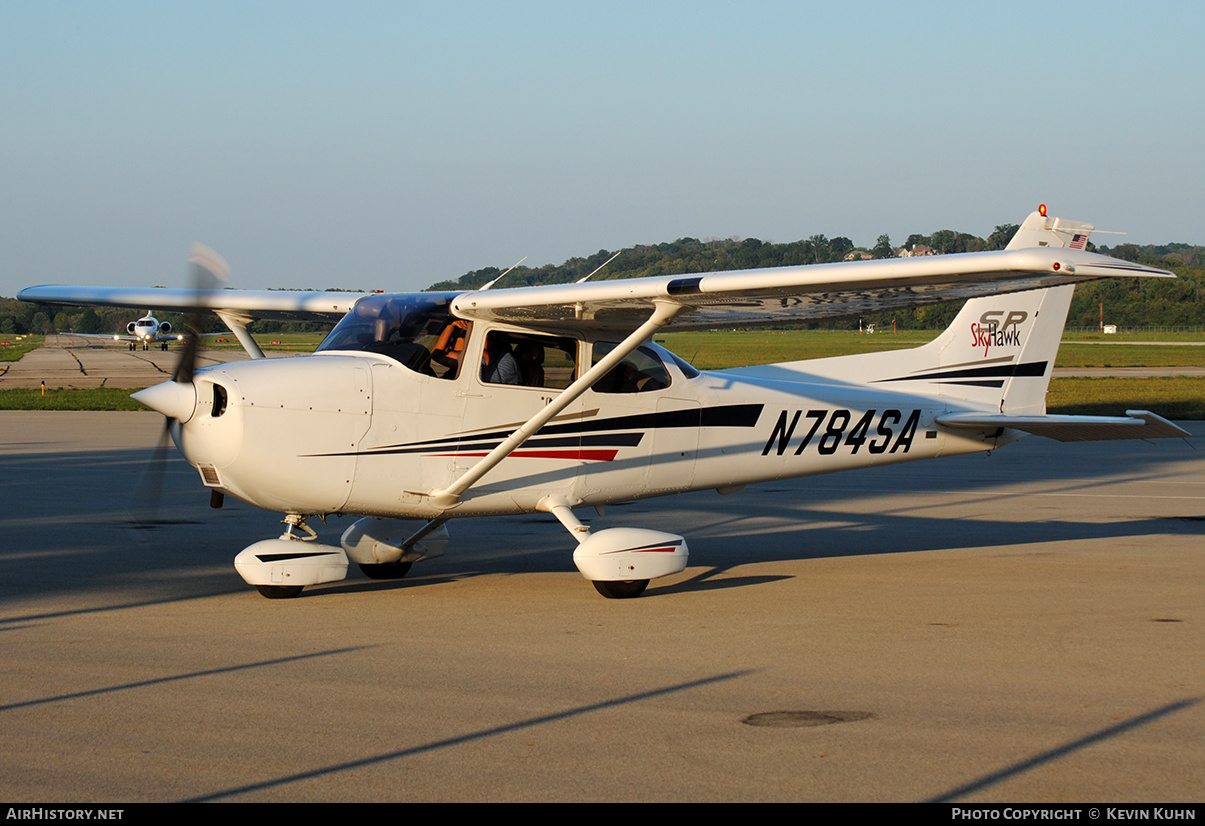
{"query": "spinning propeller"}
(176, 399)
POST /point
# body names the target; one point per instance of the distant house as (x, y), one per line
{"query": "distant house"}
(858, 255)
(919, 249)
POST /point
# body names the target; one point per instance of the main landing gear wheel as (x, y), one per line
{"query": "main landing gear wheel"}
(386, 570)
(279, 591)
(620, 589)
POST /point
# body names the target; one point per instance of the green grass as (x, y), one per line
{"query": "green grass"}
(1136, 335)
(100, 398)
(736, 348)
(1172, 397)
(288, 342)
(12, 350)
(1119, 355)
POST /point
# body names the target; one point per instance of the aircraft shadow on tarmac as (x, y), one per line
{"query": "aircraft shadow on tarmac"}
(67, 526)
(958, 793)
(1059, 752)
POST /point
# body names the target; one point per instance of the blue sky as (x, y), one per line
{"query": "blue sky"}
(374, 145)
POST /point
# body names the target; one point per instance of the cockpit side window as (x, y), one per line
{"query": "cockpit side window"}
(417, 331)
(447, 352)
(529, 360)
(640, 372)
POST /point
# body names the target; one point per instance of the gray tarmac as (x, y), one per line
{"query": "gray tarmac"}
(1024, 626)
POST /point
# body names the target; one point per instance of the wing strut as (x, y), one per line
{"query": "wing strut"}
(238, 324)
(421, 533)
(663, 313)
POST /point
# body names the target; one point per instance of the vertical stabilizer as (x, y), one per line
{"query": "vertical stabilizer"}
(1039, 230)
(1000, 349)
(997, 354)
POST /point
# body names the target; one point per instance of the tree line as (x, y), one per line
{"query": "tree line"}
(1128, 302)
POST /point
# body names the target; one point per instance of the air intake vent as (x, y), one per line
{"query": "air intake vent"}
(219, 401)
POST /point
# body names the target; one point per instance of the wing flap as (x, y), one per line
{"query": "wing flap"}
(1136, 424)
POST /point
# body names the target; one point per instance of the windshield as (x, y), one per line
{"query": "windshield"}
(416, 330)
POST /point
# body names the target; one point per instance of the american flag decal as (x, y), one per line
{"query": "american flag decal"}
(1078, 241)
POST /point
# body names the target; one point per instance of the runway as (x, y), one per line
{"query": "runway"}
(71, 362)
(1026, 626)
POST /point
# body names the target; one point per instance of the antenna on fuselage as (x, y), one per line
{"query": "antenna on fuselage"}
(596, 272)
(499, 278)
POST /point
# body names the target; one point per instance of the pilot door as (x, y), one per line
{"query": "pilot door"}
(512, 377)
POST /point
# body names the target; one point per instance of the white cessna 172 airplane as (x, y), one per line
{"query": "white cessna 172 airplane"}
(422, 408)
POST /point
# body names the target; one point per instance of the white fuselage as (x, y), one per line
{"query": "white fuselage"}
(148, 329)
(145, 329)
(360, 433)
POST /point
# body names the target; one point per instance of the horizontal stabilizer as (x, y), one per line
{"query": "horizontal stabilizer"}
(1136, 424)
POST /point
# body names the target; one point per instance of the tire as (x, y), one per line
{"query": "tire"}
(618, 589)
(386, 570)
(279, 591)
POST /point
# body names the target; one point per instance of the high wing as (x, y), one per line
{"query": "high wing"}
(236, 308)
(280, 305)
(785, 294)
(724, 299)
